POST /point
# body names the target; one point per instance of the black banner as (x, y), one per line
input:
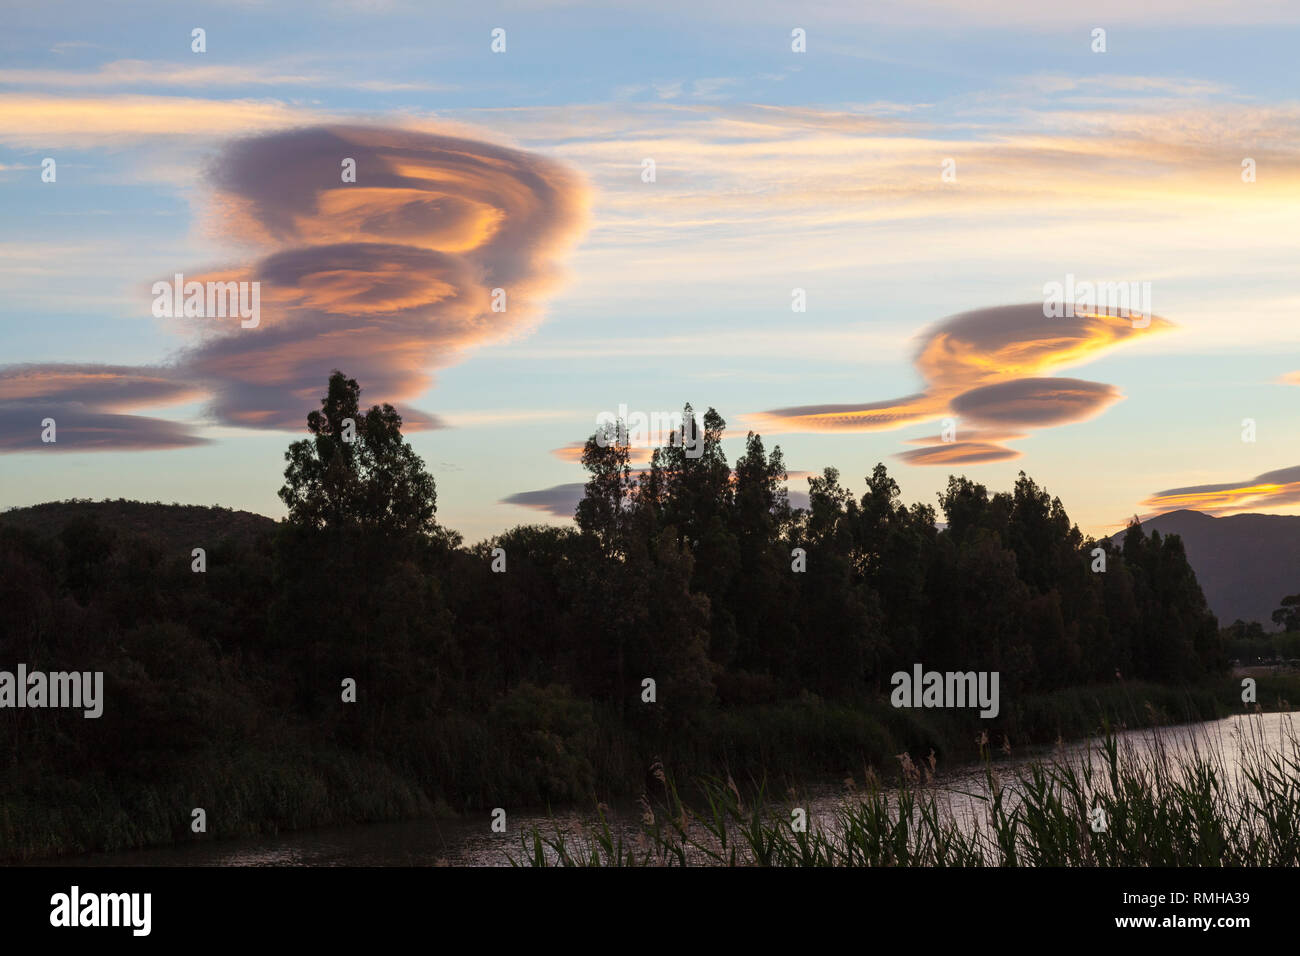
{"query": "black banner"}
(336, 904)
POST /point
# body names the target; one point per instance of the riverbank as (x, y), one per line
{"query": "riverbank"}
(292, 786)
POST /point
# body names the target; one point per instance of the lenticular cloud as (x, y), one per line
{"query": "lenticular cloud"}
(441, 244)
(986, 367)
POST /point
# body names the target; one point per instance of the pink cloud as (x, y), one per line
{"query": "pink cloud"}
(987, 367)
(389, 278)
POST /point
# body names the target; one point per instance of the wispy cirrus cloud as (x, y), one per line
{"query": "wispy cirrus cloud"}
(994, 14)
(145, 74)
(39, 120)
(819, 167)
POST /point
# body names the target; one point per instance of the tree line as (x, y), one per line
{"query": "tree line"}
(693, 572)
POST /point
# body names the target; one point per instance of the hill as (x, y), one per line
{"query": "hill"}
(172, 527)
(1245, 563)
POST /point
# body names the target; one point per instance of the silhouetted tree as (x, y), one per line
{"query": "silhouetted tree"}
(1288, 615)
(374, 481)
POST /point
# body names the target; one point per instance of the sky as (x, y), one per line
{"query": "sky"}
(841, 224)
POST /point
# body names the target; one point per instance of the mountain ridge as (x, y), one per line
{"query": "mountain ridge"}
(1245, 563)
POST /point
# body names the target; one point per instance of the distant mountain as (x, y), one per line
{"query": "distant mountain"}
(1245, 564)
(173, 527)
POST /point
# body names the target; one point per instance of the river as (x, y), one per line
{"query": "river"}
(469, 840)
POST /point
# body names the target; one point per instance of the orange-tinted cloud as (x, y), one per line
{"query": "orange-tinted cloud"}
(111, 388)
(959, 453)
(388, 278)
(987, 366)
(638, 457)
(995, 436)
(1272, 489)
(391, 281)
(35, 119)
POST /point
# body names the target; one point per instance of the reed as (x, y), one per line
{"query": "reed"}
(1231, 800)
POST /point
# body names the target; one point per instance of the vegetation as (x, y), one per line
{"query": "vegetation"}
(477, 689)
(1215, 805)
(1249, 644)
(1288, 615)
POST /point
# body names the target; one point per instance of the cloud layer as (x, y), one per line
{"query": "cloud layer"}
(1273, 489)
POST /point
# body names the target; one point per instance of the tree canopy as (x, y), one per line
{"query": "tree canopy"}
(356, 471)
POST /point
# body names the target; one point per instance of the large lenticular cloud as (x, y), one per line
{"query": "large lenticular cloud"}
(986, 367)
(390, 277)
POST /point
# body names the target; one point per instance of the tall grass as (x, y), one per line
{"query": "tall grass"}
(1177, 802)
(246, 794)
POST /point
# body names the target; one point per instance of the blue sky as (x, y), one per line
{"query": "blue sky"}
(775, 170)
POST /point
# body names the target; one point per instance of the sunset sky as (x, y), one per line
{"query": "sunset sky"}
(774, 170)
